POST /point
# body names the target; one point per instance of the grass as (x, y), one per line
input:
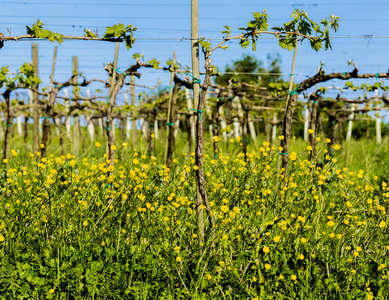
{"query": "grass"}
(69, 232)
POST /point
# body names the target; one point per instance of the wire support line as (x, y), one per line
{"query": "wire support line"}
(270, 38)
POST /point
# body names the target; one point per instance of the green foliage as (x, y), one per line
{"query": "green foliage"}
(253, 29)
(323, 90)
(205, 44)
(3, 74)
(89, 33)
(37, 31)
(137, 55)
(154, 62)
(27, 76)
(367, 87)
(287, 34)
(227, 31)
(24, 79)
(65, 235)
(121, 32)
(300, 23)
(173, 66)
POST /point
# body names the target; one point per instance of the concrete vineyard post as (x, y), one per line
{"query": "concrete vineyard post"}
(378, 122)
(350, 124)
(274, 128)
(90, 126)
(306, 123)
(252, 130)
(19, 123)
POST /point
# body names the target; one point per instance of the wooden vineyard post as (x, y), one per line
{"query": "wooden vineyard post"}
(313, 124)
(126, 124)
(8, 122)
(378, 122)
(171, 141)
(35, 102)
(291, 101)
(169, 124)
(76, 118)
(109, 127)
(191, 125)
(53, 67)
(25, 127)
(196, 101)
(244, 129)
(133, 119)
(208, 111)
(48, 110)
(67, 108)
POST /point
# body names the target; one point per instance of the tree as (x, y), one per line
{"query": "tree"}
(249, 64)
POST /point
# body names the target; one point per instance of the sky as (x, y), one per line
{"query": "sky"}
(363, 35)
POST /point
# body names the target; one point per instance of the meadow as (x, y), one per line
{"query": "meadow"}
(68, 231)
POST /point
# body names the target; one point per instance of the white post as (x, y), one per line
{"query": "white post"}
(350, 124)
(176, 127)
(378, 121)
(306, 124)
(144, 128)
(156, 129)
(19, 123)
(128, 127)
(90, 126)
(67, 124)
(237, 126)
(102, 127)
(274, 131)
(252, 130)
(127, 122)
(57, 132)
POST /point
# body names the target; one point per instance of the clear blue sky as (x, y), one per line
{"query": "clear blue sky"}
(163, 23)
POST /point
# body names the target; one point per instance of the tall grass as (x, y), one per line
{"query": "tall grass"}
(69, 232)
